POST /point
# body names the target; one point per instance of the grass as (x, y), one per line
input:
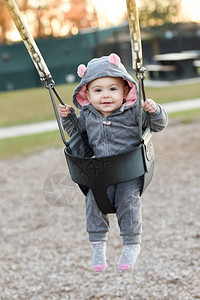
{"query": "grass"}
(186, 117)
(173, 93)
(30, 105)
(27, 145)
(34, 105)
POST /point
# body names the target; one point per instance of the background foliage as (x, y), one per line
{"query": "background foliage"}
(65, 17)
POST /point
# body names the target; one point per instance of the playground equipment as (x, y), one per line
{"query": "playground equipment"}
(86, 170)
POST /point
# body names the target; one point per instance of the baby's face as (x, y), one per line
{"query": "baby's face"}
(106, 94)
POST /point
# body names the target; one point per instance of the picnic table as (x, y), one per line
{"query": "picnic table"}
(174, 65)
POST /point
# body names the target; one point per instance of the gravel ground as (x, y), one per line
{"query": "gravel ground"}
(45, 253)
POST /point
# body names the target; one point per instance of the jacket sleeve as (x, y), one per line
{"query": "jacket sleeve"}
(158, 120)
(68, 125)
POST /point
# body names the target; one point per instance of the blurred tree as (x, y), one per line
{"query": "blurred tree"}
(81, 15)
(5, 21)
(49, 18)
(157, 12)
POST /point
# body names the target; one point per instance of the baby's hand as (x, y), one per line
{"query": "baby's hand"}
(150, 106)
(64, 110)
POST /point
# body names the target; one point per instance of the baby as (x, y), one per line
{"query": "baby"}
(109, 113)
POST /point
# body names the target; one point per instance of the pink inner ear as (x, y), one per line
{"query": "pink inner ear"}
(81, 70)
(114, 59)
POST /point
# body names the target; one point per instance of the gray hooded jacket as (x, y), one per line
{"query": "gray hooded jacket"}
(118, 132)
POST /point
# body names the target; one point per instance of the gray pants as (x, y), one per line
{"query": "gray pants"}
(125, 197)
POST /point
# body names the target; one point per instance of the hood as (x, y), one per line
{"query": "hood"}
(105, 66)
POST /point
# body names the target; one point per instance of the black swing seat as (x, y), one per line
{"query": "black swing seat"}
(98, 174)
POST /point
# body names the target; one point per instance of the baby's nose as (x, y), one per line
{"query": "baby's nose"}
(106, 94)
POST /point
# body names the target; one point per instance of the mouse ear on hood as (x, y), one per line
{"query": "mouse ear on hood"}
(114, 59)
(81, 70)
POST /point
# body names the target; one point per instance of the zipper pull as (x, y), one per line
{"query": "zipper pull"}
(106, 122)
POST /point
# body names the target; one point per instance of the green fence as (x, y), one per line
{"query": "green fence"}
(62, 57)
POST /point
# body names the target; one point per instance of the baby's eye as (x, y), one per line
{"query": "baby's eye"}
(97, 90)
(113, 88)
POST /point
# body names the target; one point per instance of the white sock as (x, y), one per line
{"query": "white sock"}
(99, 256)
(129, 256)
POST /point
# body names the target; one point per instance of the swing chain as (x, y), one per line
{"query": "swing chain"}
(48, 81)
(140, 71)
